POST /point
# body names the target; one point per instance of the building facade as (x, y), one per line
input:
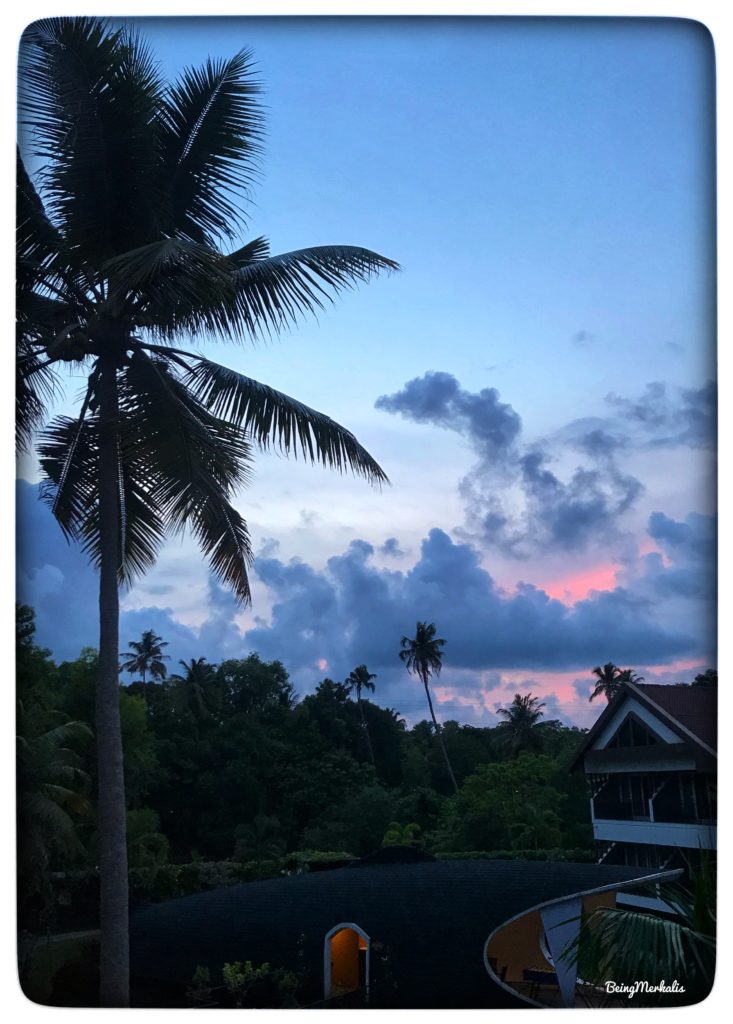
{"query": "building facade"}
(651, 764)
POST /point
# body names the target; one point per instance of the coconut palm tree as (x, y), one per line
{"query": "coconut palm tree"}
(356, 681)
(197, 678)
(607, 680)
(146, 656)
(521, 726)
(130, 240)
(422, 656)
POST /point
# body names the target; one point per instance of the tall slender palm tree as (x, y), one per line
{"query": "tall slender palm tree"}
(607, 681)
(521, 723)
(130, 239)
(146, 655)
(422, 656)
(356, 681)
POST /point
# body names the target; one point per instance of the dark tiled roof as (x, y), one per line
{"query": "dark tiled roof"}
(432, 920)
(695, 707)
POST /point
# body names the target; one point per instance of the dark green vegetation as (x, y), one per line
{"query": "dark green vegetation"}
(230, 777)
(131, 240)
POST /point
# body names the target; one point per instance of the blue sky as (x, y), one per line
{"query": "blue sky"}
(536, 380)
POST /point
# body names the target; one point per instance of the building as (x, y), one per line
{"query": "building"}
(397, 929)
(651, 760)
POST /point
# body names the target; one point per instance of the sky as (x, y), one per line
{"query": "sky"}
(537, 381)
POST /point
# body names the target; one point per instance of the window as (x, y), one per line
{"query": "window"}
(633, 733)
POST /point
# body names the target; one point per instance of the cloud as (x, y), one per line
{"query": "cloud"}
(669, 417)
(490, 425)
(353, 612)
(515, 498)
(391, 547)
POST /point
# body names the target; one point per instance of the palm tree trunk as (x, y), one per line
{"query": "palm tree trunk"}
(366, 731)
(114, 925)
(439, 734)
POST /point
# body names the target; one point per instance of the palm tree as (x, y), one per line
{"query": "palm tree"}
(147, 656)
(120, 255)
(198, 677)
(356, 681)
(521, 723)
(607, 680)
(423, 656)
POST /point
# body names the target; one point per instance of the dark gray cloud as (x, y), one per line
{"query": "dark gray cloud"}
(391, 547)
(668, 417)
(490, 425)
(571, 515)
(514, 501)
(353, 612)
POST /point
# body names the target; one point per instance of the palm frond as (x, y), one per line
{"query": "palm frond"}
(89, 95)
(276, 291)
(269, 416)
(212, 130)
(194, 461)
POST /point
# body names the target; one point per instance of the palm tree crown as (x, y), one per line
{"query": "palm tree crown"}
(607, 682)
(146, 656)
(609, 678)
(422, 654)
(521, 722)
(360, 679)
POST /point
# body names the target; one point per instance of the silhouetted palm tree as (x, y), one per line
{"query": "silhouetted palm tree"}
(146, 657)
(608, 680)
(423, 656)
(356, 681)
(198, 677)
(629, 675)
(521, 723)
(120, 255)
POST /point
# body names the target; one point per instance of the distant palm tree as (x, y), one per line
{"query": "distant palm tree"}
(608, 680)
(356, 681)
(521, 726)
(198, 676)
(423, 656)
(146, 657)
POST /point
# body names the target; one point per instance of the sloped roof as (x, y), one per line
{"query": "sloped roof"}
(690, 711)
(695, 707)
(428, 923)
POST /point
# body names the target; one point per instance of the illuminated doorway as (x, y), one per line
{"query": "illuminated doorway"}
(345, 961)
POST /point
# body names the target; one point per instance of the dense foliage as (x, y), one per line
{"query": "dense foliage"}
(230, 776)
